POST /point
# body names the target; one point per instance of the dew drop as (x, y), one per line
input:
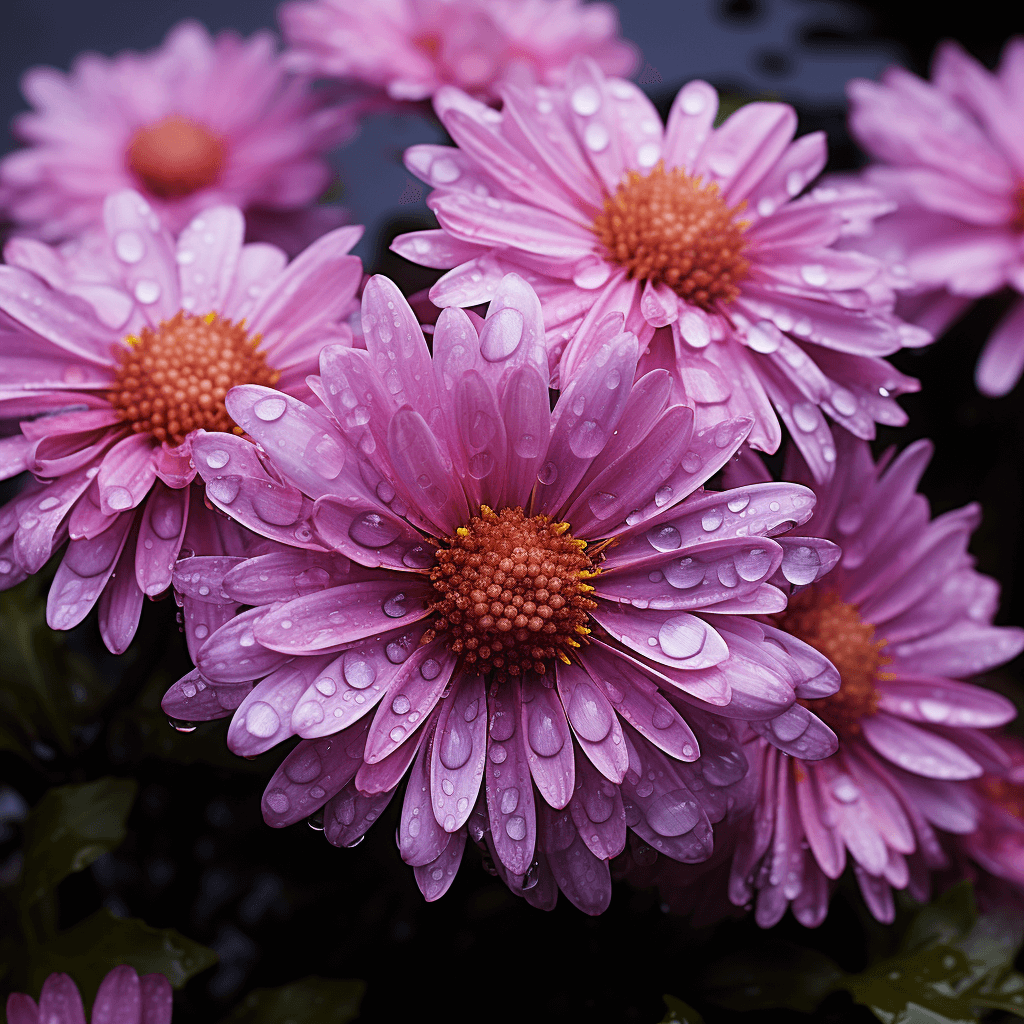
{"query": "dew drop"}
(270, 409)
(585, 100)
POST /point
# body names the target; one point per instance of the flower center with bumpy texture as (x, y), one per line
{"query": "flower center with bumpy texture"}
(172, 380)
(175, 157)
(1018, 205)
(1008, 795)
(669, 228)
(511, 592)
(834, 628)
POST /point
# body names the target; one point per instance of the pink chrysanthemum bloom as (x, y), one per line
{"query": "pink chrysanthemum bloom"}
(412, 48)
(196, 123)
(903, 617)
(123, 997)
(699, 231)
(539, 616)
(951, 154)
(112, 355)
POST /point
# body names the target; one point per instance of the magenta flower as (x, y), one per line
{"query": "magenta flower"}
(198, 122)
(903, 617)
(113, 353)
(700, 232)
(540, 617)
(951, 154)
(412, 48)
(123, 998)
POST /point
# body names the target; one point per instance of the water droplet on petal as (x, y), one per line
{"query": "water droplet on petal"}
(585, 100)
(147, 292)
(129, 246)
(270, 409)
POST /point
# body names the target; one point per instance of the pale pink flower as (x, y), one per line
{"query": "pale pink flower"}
(113, 352)
(540, 617)
(123, 998)
(904, 617)
(700, 236)
(198, 122)
(412, 48)
(950, 152)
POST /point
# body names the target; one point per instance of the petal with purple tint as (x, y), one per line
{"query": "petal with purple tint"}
(388, 772)
(305, 447)
(510, 803)
(202, 577)
(435, 878)
(583, 877)
(1002, 359)
(152, 278)
(963, 649)
(343, 614)
(59, 1000)
(435, 249)
(155, 990)
(671, 638)
(194, 699)
(350, 813)
(806, 559)
(161, 530)
(366, 531)
(207, 255)
(939, 701)
(526, 415)
(350, 686)
(596, 808)
(201, 619)
(660, 808)
(459, 754)
(40, 516)
(549, 746)
(481, 431)
(420, 838)
(799, 733)
(689, 124)
(814, 675)
(593, 720)
(121, 601)
(118, 1000)
(83, 573)
(715, 572)
(411, 697)
(237, 483)
(231, 653)
(426, 471)
(917, 750)
(264, 718)
(286, 574)
(587, 414)
(22, 1009)
(310, 775)
(631, 481)
(815, 816)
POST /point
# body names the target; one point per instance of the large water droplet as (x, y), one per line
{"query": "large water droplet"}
(394, 606)
(515, 828)
(372, 530)
(270, 409)
(585, 100)
(401, 704)
(129, 246)
(501, 335)
(544, 735)
(359, 673)
(261, 720)
(147, 292)
(682, 637)
(673, 814)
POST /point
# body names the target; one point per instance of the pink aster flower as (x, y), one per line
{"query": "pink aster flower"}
(904, 617)
(198, 122)
(951, 153)
(540, 617)
(123, 997)
(413, 47)
(113, 353)
(698, 231)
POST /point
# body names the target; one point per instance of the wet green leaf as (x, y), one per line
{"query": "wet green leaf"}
(309, 1001)
(98, 944)
(69, 828)
(680, 1011)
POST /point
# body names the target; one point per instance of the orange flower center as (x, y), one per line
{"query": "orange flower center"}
(173, 380)
(175, 156)
(669, 228)
(834, 628)
(1008, 795)
(510, 592)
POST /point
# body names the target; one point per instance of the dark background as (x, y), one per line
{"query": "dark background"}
(279, 905)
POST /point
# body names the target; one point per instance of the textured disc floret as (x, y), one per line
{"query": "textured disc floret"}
(175, 157)
(511, 592)
(669, 228)
(834, 628)
(172, 380)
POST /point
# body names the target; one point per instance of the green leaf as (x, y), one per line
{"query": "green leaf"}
(95, 946)
(947, 918)
(309, 1001)
(69, 828)
(680, 1011)
(779, 974)
(46, 691)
